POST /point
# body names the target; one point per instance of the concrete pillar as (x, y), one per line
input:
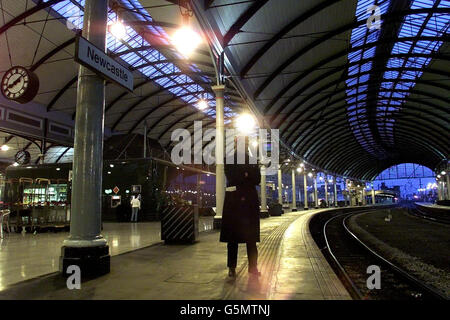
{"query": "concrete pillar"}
(280, 186)
(316, 200)
(294, 198)
(447, 178)
(220, 145)
(326, 190)
(305, 188)
(373, 195)
(364, 200)
(335, 192)
(85, 246)
(440, 186)
(263, 189)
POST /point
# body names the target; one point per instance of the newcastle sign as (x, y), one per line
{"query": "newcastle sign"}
(95, 59)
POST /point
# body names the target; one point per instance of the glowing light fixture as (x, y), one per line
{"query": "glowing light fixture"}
(443, 173)
(310, 174)
(186, 40)
(15, 164)
(118, 29)
(202, 104)
(245, 123)
(4, 147)
(299, 169)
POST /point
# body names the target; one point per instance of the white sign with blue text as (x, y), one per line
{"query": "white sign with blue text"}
(94, 58)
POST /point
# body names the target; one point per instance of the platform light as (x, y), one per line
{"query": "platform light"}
(302, 165)
(15, 164)
(4, 147)
(443, 173)
(118, 30)
(245, 123)
(438, 176)
(310, 174)
(202, 104)
(58, 169)
(111, 165)
(186, 40)
(299, 169)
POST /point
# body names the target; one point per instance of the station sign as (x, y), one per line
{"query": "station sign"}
(95, 59)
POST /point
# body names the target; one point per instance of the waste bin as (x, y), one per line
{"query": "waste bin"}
(179, 224)
(275, 209)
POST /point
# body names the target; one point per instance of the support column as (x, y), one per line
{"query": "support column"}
(316, 200)
(326, 190)
(440, 186)
(448, 184)
(280, 186)
(364, 200)
(220, 143)
(373, 195)
(263, 190)
(305, 188)
(85, 246)
(335, 192)
(294, 198)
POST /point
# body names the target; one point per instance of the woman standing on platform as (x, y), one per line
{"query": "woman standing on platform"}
(135, 207)
(240, 217)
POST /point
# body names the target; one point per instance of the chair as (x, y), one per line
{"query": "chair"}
(4, 218)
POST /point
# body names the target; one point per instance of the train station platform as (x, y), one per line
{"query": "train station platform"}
(291, 264)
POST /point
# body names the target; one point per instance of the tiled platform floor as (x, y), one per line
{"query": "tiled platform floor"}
(26, 256)
(292, 268)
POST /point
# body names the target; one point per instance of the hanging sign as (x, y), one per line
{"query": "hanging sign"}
(95, 59)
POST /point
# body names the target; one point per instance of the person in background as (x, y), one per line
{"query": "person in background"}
(135, 207)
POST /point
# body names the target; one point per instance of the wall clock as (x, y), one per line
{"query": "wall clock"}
(19, 84)
(22, 157)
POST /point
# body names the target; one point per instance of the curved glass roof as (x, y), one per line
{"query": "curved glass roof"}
(181, 85)
(403, 68)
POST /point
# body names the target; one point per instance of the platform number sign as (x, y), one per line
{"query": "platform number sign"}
(19, 85)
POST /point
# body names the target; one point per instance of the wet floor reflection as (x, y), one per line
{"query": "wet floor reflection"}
(24, 255)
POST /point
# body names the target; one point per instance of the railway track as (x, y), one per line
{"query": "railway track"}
(351, 257)
(441, 217)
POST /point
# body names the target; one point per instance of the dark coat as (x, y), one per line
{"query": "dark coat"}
(240, 217)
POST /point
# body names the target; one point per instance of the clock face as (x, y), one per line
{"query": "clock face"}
(22, 157)
(19, 84)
